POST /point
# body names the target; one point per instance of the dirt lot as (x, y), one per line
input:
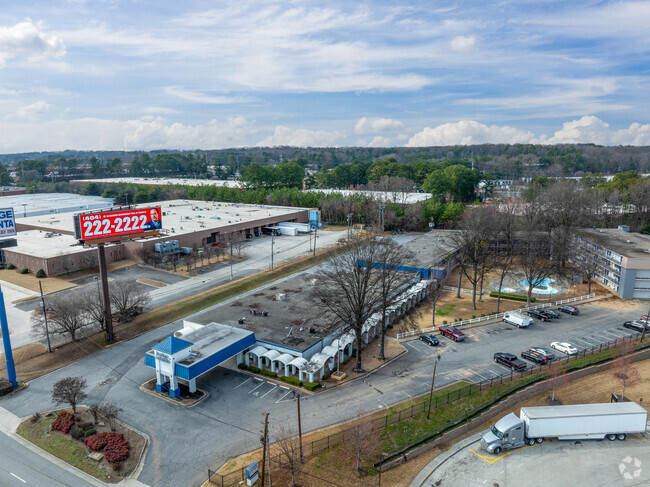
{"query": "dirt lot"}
(590, 389)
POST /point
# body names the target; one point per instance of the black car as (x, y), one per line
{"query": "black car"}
(552, 313)
(546, 352)
(509, 360)
(537, 313)
(430, 340)
(534, 356)
(636, 325)
(572, 310)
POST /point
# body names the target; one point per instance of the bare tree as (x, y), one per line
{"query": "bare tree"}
(506, 239)
(95, 410)
(348, 289)
(557, 376)
(534, 250)
(93, 303)
(475, 242)
(70, 390)
(583, 255)
(109, 412)
(65, 315)
(288, 444)
(362, 439)
(390, 279)
(128, 299)
(626, 372)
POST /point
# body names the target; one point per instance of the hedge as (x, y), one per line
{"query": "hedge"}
(242, 366)
(514, 297)
(268, 373)
(291, 380)
(310, 386)
(254, 369)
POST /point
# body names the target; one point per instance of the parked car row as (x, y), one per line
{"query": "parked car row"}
(637, 325)
(537, 355)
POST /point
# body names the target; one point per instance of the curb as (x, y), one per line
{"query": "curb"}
(430, 469)
(170, 401)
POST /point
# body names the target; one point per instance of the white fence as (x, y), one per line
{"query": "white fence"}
(496, 316)
(463, 290)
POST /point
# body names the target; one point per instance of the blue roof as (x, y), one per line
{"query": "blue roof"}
(171, 345)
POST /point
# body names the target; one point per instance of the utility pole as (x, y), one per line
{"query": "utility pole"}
(264, 438)
(103, 274)
(272, 244)
(315, 235)
(433, 379)
(231, 258)
(268, 452)
(47, 331)
(299, 426)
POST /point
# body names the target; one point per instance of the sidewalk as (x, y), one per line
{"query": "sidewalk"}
(423, 479)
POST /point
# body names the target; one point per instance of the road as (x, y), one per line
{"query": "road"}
(20, 467)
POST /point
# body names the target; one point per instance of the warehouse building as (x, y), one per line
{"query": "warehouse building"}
(50, 242)
(38, 204)
(621, 259)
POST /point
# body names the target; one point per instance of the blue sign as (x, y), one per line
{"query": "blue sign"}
(251, 470)
(314, 218)
(7, 222)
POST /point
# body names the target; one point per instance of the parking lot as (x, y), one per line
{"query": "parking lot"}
(576, 463)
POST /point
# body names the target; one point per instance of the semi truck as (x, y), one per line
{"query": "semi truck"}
(571, 422)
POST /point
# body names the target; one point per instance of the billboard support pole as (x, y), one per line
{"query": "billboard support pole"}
(103, 275)
(6, 341)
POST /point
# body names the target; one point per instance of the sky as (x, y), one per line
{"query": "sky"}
(143, 75)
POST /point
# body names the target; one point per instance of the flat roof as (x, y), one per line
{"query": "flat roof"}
(36, 243)
(400, 197)
(52, 203)
(211, 339)
(163, 181)
(627, 244)
(182, 216)
(292, 323)
(430, 249)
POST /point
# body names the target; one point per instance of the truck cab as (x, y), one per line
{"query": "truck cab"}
(506, 434)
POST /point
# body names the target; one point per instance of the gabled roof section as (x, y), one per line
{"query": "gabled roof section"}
(171, 345)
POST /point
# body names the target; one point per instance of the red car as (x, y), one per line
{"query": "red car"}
(453, 333)
(644, 318)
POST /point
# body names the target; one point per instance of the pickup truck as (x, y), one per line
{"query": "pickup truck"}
(453, 333)
(539, 315)
(509, 360)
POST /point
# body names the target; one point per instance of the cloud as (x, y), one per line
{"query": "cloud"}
(27, 40)
(300, 138)
(146, 133)
(369, 125)
(463, 43)
(35, 111)
(379, 141)
(590, 129)
(468, 132)
(202, 98)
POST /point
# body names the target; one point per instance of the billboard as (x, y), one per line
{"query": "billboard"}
(112, 226)
(7, 222)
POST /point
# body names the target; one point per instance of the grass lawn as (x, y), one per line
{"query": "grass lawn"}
(445, 309)
(61, 446)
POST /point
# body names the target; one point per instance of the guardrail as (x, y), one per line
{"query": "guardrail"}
(496, 316)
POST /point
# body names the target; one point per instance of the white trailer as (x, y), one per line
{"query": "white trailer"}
(572, 422)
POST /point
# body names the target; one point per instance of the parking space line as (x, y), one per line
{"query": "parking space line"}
(406, 393)
(250, 378)
(492, 460)
(274, 388)
(579, 340)
(289, 391)
(481, 376)
(260, 385)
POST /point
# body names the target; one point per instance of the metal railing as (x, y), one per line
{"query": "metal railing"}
(312, 447)
(495, 316)
(463, 290)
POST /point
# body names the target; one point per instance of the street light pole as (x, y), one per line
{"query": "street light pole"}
(272, 244)
(433, 379)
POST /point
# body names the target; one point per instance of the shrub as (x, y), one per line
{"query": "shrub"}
(473, 316)
(24, 271)
(514, 297)
(482, 315)
(2, 266)
(268, 373)
(40, 274)
(254, 369)
(98, 441)
(36, 417)
(291, 380)
(116, 451)
(11, 266)
(242, 366)
(310, 386)
(63, 422)
(89, 433)
(444, 322)
(76, 432)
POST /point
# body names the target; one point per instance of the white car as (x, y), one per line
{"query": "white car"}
(564, 347)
